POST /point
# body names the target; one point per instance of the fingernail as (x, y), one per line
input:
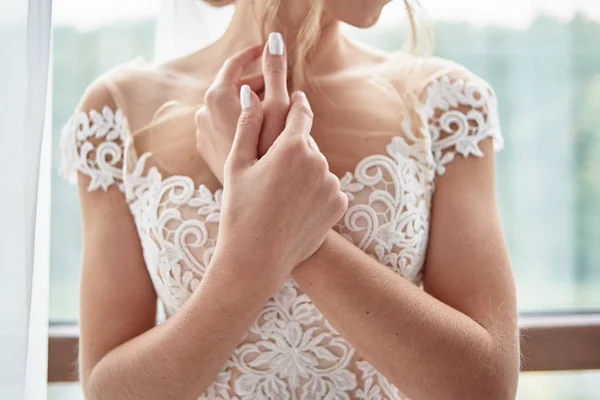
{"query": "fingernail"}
(275, 43)
(245, 99)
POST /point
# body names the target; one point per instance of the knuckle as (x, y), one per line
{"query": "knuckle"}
(294, 151)
(245, 120)
(274, 66)
(199, 117)
(321, 166)
(335, 183)
(291, 149)
(232, 166)
(276, 107)
(305, 111)
(312, 144)
(211, 95)
(228, 63)
(337, 200)
(298, 145)
(214, 95)
(339, 205)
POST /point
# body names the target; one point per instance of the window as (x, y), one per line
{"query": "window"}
(544, 63)
(89, 38)
(569, 385)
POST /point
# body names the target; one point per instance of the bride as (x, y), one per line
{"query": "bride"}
(317, 219)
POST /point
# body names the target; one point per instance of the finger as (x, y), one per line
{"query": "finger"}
(233, 68)
(274, 64)
(245, 143)
(256, 82)
(312, 144)
(199, 115)
(300, 118)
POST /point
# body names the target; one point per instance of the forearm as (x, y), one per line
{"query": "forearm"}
(181, 357)
(409, 336)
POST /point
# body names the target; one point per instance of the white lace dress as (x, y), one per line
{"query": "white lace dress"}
(291, 351)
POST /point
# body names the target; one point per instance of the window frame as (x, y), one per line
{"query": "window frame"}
(549, 342)
(560, 341)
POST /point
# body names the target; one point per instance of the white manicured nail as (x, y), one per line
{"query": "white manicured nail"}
(245, 98)
(275, 43)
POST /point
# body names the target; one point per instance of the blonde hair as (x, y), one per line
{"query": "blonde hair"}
(420, 40)
(420, 43)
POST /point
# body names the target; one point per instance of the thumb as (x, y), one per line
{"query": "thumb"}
(245, 143)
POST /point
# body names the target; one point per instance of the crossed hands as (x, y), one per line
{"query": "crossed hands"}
(279, 198)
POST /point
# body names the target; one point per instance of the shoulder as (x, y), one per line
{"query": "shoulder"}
(459, 107)
(424, 77)
(126, 94)
(449, 85)
(137, 88)
(92, 139)
(435, 67)
(100, 93)
(100, 107)
(110, 88)
(117, 105)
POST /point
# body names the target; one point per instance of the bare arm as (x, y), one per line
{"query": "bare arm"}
(458, 338)
(123, 355)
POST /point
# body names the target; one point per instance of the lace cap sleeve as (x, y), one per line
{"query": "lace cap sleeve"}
(461, 110)
(92, 142)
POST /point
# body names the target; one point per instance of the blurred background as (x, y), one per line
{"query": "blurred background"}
(542, 58)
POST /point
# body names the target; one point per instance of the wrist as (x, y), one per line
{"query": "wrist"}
(245, 273)
(316, 260)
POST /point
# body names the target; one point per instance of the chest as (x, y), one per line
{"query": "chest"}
(373, 146)
(384, 169)
(348, 127)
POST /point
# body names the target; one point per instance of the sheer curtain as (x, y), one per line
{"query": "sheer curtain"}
(24, 45)
(187, 25)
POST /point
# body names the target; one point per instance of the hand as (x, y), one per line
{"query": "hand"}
(276, 103)
(216, 120)
(276, 210)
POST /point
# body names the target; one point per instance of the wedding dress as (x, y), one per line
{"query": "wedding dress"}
(290, 351)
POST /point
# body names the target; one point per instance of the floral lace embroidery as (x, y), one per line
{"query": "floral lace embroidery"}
(376, 386)
(291, 351)
(454, 131)
(176, 249)
(290, 343)
(389, 219)
(99, 159)
(297, 348)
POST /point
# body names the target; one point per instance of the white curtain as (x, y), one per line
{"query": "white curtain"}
(187, 25)
(24, 49)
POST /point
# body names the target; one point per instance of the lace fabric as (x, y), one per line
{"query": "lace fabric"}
(291, 351)
(92, 143)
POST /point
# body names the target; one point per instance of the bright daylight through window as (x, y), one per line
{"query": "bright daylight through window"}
(544, 64)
